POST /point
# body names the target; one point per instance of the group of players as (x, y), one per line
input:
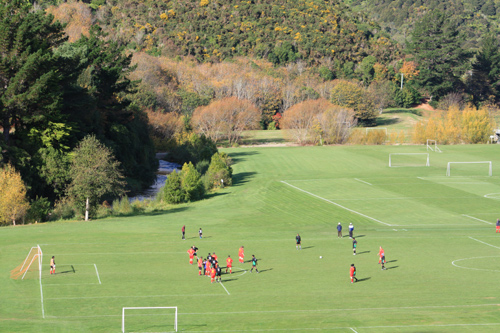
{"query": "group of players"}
(352, 271)
(210, 265)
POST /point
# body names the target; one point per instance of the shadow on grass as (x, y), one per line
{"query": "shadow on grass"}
(387, 268)
(391, 261)
(363, 279)
(307, 247)
(213, 195)
(387, 121)
(362, 252)
(242, 178)
(240, 156)
(72, 270)
(265, 270)
(153, 213)
(359, 236)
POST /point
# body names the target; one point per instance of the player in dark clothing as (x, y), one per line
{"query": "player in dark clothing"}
(254, 264)
(204, 266)
(354, 245)
(339, 230)
(218, 274)
(298, 244)
(382, 260)
(183, 232)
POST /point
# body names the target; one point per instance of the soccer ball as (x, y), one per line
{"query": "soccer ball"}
(320, 257)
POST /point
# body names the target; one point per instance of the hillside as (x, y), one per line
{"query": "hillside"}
(473, 18)
(281, 31)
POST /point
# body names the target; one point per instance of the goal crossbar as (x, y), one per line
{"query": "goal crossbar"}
(148, 308)
(427, 163)
(490, 166)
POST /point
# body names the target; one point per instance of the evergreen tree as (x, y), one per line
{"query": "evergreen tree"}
(191, 182)
(436, 46)
(484, 80)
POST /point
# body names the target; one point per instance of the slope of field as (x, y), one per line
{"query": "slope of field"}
(437, 232)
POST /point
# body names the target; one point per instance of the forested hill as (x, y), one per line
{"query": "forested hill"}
(278, 30)
(473, 17)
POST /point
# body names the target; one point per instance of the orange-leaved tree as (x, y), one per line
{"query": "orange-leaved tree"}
(318, 120)
(13, 202)
(226, 118)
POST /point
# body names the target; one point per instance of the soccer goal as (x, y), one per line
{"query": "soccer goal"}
(469, 169)
(432, 146)
(32, 262)
(408, 160)
(149, 308)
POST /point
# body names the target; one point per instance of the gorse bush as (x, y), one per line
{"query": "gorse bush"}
(219, 169)
(455, 127)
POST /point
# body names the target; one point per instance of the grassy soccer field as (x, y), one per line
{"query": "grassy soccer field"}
(443, 256)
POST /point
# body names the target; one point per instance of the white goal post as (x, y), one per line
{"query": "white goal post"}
(490, 169)
(391, 164)
(148, 308)
(432, 146)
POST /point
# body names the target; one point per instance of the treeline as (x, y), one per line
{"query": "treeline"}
(54, 93)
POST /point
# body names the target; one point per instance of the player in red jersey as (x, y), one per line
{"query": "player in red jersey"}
(229, 264)
(191, 255)
(352, 273)
(241, 254)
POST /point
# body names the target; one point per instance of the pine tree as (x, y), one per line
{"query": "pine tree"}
(436, 47)
(484, 80)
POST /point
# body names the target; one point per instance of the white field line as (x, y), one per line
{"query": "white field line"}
(475, 218)
(403, 198)
(352, 329)
(336, 204)
(68, 284)
(224, 288)
(403, 308)
(475, 269)
(477, 240)
(131, 296)
(114, 253)
(359, 180)
(98, 278)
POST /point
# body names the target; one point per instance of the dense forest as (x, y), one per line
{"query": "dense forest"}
(123, 79)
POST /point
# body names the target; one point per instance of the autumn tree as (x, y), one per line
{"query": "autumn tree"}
(226, 118)
(13, 202)
(352, 95)
(94, 173)
(318, 120)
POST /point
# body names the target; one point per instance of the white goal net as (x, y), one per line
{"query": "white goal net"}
(432, 146)
(168, 323)
(469, 169)
(408, 160)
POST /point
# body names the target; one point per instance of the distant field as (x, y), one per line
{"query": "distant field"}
(437, 231)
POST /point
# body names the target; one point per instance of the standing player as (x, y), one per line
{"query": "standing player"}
(229, 264)
(191, 254)
(52, 265)
(382, 260)
(241, 254)
(212, 274)
(380, 254)
(204, 266)
(183, 232)
(218, 274)
(298, 244)
(498, 225)
(207, 267)
(351, 230)
(354, 245)
(200, 233)
(352, 273)
(200, 265)
(254, 264)
(339, 230)
(214, 256)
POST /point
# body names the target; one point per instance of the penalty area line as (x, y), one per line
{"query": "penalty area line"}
(359, 180)
(477, 240)
(352, 329)
(336, 204)
(475, 218)
(98, 278)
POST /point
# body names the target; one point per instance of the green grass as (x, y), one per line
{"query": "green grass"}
(424, 220)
